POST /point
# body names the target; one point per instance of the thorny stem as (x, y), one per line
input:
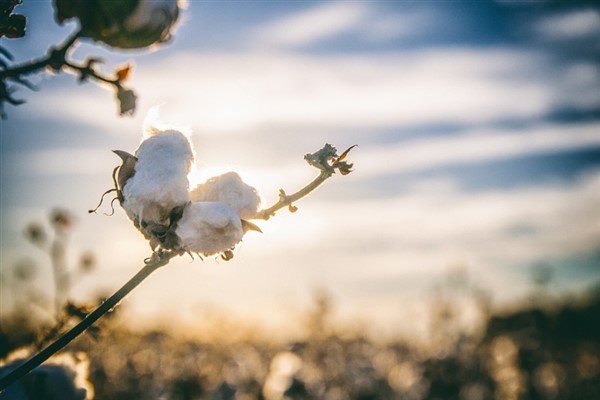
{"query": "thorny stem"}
(287, 200)
(158, 260)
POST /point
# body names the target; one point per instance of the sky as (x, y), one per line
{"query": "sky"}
(478, 133)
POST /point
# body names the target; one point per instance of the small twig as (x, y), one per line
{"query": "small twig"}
(57, 60)
(287, 200)
(327, 161)
(88, 71)
(5, 53)
(158, 260)
(54, 59)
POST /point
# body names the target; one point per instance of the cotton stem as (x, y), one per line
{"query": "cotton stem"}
(327, 161)
(287, 200)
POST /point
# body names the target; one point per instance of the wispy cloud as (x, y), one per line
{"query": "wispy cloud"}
(247, 91)
(64, 161)
(429, 229)
(317, 23)
(232, 92)
(368, 22)
(580, 24)
(475, 146)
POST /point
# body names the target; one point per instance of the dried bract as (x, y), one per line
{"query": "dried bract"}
(127, 100)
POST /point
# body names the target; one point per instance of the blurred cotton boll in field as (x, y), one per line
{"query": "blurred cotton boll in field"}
(284, 369)
(126, 24)
(64, 377)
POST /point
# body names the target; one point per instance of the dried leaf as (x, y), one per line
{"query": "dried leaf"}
(227, 255)
(127, 100)
(345, 153)
(127, 169)
(123, 73)
(345, 168)
(249, 226)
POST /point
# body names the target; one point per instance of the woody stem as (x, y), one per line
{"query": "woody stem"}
(287, 200)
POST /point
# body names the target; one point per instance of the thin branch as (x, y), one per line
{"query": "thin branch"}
(55, 59)
(287, 200)
(158, 260)
(327, 161)
(58, 61)
(87, 71)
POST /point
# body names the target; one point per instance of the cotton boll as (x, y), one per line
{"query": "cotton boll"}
(152, 15)
(159, 183)
(209, 227)
(125, 24)
(230, 190)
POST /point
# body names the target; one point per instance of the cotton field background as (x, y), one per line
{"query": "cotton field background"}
(479, 156)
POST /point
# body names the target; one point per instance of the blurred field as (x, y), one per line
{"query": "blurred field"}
(535, 353)
(547, 346)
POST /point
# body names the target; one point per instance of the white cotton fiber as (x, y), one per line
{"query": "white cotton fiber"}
(152, 14)
(160, 181)
(230, 190)
(209, 228)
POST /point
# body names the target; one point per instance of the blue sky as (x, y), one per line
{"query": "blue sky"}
(479, 132)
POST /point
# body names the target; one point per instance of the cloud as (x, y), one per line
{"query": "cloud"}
(580, 24)
(578, 83)
(382, 26)
(427, 231)
(308, 26)
(66, 162)
(252, 91)
(473, 147)
(233, 92)
(367, 22)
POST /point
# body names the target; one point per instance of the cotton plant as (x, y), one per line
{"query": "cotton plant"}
(209, 219)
